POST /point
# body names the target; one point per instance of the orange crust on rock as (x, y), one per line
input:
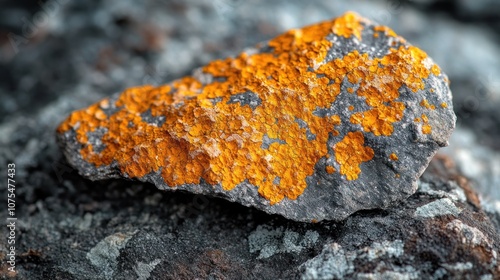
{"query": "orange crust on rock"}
(221, 142)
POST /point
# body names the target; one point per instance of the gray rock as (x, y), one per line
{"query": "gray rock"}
(92, 48)
(478, 162)
(104, 254)
(320, 135)
(270, 241)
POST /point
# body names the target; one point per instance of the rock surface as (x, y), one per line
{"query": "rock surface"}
(315, 124)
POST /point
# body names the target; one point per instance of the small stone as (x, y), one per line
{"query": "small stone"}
(104, 255)
(315, 124)
(332, 263)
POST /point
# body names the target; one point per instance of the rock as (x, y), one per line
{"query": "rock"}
(103, 256)
(476, 161)
(269, 241)
(64, 219)
(129, 238)
(419, 246)
(315, 124)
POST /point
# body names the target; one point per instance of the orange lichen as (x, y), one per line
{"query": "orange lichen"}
(444, 105)
(426, 104)
(379, 90)
(351, 108)
(416, 120)
(330, 169)
(221, 142)
(350, 152)
(393, 156)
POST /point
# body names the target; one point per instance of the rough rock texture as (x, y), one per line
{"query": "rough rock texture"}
(89, 49)
(315, 124)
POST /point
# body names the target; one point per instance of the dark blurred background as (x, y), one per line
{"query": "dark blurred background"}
(59, 55)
